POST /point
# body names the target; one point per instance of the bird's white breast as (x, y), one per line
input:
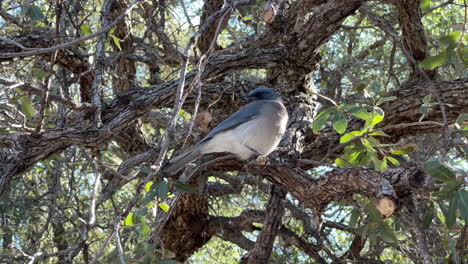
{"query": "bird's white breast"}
(261, 134)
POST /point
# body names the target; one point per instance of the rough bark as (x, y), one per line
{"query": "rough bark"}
(412, 29)
(261, 251)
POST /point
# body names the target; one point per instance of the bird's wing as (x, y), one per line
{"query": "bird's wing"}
(246, 113)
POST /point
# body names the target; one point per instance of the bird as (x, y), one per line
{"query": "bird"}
(255, 129)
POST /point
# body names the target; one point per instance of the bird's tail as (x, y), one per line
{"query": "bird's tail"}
(177, 163)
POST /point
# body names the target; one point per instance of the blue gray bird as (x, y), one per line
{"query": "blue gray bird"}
(254, 130)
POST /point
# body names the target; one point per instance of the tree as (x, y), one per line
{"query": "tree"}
(97, 96)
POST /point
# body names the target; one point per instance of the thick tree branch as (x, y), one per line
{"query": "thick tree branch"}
(261, 251)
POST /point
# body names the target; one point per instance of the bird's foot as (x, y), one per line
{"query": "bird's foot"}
(261, 160)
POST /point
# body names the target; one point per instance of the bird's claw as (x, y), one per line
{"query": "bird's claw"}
(261, 160)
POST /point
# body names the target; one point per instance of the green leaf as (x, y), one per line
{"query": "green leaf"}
(141, 211)
(339, 121)
(24, 9)
(116, 41)
(35, 13)
(359, 112)
(379, 133)
(144, 231)
(153, 192)
(163, 188)
(425, 5)
(185, 187)
(381, 165)
(404, 150)
(427, 99)
(360, 87)
(463, 203)
(164, 207)
(348, 136)
(341, 163)
(39, 73)
(354, 217)
(453, 250)
(424, 109)
(129, 220)
(86, 30)
(439, 171)
(461, 119)
(448, 190)
(377, 117)
(146, 170)
(428, 216)
(431, 62)
(27, 108)
(393, 160)
(321, 119)
(386, 99)
(451, 216)
(451, 40)
(373, 213)
(148, 186)
(387, 234)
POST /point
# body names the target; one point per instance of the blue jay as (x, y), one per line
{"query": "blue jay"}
(254, 130)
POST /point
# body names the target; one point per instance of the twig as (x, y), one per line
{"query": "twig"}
(73, 42)
(119, 244)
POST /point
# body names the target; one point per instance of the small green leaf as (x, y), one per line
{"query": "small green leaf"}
(428, 216)
(348, 136)
(404, 150)
(129, 220)
(427, 99)
(387, 234)
(439, 171)
(164, 207)
(185, 187)
(27, 108)
(451, 216)
(359, 112)
(393, 160)
(341, 163)
(386, 99)
(461, 119)
(146, 170)
(339, 121)
(321, 119)
(463, 203)
(425, 5)
(141, 211)
(35, 13)
(360, 87)
(432, 62)
(451, 40)
(354, 217)
(163, 188)
(448, 190)
(148, 186)
(151, 195)
(39, 73)
(24, 9)
(144, 231)
(86, 30)
(424, 109)
(116, 41)
(373, 213)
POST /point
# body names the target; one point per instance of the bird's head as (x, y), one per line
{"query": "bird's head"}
(262, 94)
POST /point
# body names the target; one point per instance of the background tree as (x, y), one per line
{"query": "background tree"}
(96, 95)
